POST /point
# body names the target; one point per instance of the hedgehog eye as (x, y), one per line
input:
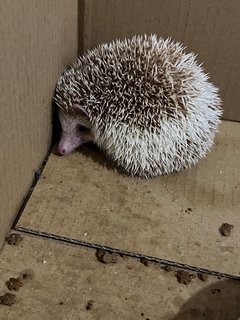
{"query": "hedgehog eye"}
(81, 128)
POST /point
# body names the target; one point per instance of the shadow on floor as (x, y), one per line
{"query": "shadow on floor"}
(90, 150)
(219, 301)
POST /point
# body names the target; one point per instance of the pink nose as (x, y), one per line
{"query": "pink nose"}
(60, 150)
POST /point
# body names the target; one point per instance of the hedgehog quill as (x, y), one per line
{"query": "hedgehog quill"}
(144, 101)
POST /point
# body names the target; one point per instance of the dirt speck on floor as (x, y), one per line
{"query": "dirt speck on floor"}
(14, 284)
(27, 274)
(215, 291)
(60, 303)
(145, 261)
(89, 305)
(202, 276)
(225, 229)
(106, 257)
(123, 256)
(167, 268)
(184, 277)
(188, 210)
(14, 239)
(8, 299)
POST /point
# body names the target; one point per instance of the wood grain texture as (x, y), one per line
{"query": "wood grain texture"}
(38, 39)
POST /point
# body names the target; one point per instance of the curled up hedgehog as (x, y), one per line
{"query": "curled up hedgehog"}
(144, 101)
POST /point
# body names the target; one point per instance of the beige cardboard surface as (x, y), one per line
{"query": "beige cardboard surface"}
(65, 278)
(209, 28)
(38, 39)
(81, 196)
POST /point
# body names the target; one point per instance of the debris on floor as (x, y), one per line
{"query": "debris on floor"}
(184, 277)
(225, 229)
(89, 305)
(202, 276)
(188, 210)
(14, 284)
(27, 274)
(167, 268)
(106, 257)
(8, 299)
(14, 239)
(74, 279)
(145, 261)
(215, 291)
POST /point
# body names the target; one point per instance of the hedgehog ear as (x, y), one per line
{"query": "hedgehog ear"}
(82, 114)
(80, 110)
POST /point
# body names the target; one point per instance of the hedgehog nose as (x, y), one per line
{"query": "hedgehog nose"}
(60, 151)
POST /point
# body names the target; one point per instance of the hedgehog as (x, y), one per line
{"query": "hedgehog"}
(144, 101)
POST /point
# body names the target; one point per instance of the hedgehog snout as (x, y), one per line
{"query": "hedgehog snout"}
(61, 151)
(68, 143)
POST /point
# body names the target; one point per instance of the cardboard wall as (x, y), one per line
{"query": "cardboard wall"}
(209, 28)
(38, 39)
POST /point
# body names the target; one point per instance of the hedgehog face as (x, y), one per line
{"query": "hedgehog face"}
(76, 131)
